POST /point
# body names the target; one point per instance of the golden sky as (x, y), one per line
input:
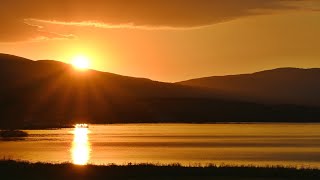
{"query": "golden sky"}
(165, 40)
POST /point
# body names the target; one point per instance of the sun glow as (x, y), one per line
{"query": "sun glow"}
(80, 146)
(80, 62)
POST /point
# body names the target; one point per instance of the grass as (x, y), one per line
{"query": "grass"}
(10, 169)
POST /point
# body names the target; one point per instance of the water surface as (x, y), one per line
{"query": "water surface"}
(188, 144)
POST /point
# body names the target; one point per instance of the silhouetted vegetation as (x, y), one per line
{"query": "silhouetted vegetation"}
(17, 170)
(49, 94)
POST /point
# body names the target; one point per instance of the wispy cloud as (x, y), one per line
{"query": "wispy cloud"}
(25, 19)
(96, 24)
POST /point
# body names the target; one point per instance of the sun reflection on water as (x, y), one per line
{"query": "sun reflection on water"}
(80, 146)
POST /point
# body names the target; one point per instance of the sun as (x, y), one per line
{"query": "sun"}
(80, 62)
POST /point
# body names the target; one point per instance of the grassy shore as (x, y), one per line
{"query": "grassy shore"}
(24, 170)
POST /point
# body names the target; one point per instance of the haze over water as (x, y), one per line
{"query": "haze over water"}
(188, 144)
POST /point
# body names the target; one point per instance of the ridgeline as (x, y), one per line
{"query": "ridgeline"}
(52, 94)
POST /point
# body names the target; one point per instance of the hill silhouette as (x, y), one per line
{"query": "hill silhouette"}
(50, 93)
(278, 86)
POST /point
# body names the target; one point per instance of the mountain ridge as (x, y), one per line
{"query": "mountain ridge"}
(51, 93)
(275, 70)
(281, 86)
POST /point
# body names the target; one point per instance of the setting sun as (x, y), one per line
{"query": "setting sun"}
(80, 62)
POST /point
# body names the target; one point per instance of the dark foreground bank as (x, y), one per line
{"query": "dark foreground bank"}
(24, 170)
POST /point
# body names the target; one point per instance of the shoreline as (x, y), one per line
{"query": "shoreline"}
(146, 123)
(22, 169)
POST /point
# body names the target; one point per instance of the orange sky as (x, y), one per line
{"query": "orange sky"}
(166, 40)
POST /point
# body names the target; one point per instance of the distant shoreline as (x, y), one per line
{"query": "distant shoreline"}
(15, 170)
(50, 127)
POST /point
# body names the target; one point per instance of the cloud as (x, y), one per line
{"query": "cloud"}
(20, 19)
(18, 30)
(53, 24)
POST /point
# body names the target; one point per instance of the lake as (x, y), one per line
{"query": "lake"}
(187, 144)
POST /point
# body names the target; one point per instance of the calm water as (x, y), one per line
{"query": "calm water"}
(188, 144)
